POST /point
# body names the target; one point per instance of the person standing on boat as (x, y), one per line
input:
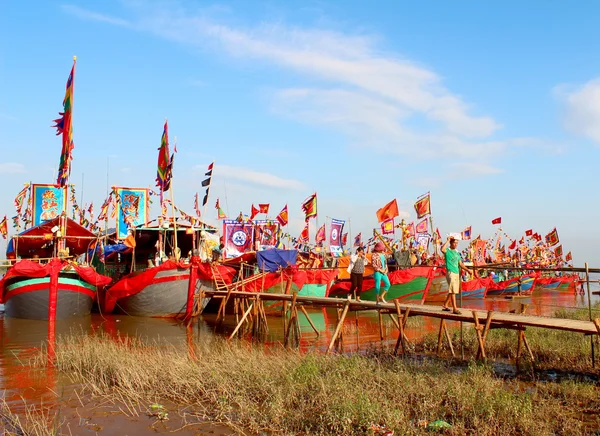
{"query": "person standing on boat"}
(356, 269)
(453, 266)
(379, 262)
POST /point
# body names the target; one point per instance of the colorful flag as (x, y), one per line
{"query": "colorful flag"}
(569, 257)
(529, 232)
(421, 227)
(423, 206)
(497, 220)
(238, 238)
(466, 234)
(197, 205)
(558, 251)
(240, 218)
(16, 223)
(320, 236)
(513, 245)
(335, 235)
(253, 212)
(304, 234)
(552, 238)
(344, 239)
(283, 216)
(410, 229)
(479, 248)
(64, 127)
(358, 240)
(309, 207)
(206, 183)
(437, 235)
(20, 198)
(133, 209)
(104, 208)
(263, 208)
(388, 211)
(387, 227)
(163, 172)
(220, 212)
(4, 227)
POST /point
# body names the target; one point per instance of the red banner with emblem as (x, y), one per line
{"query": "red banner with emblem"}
(239, 237)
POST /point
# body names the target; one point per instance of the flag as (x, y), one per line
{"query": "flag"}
(220, 213)
(423, 206)
(344, 239)
(320, 236)
(309, 207)
(197, 205)
(304, 234)
(513, 245)
(336, 227)
(283, 216)
(388, 211)
(240, 218)
(263, 208)
(529, 232)
(466, 234)
(558, 251)
(387, 227)
(497, 220)
(165, 161)
(358, 240)
(4, 227)
(64, 127)
(437, 234)
(568, 257)
(206, 183)
(20, 199)
(410, 229)
(421, 227)
(104, 208)
(552, 238)
(253, 212)
(130, 241)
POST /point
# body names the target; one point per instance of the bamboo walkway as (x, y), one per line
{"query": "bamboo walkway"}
(483, 321)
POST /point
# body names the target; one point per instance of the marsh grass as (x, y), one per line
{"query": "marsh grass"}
(30, 421)
(293, 393)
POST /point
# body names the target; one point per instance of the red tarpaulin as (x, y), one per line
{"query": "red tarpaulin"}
(133, 283)
(30, 269)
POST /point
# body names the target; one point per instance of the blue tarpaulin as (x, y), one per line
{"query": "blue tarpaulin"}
(272, 260)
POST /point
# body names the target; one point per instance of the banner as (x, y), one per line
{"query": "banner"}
(49, 201)
(423, 206)
(388, 211)
(335, 236)
(238, 238)
(423, 241)
(479, 251)
(267, 234)
(387, 227)
(552, 238)
(132, 209)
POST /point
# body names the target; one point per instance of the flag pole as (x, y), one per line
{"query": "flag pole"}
(171, 188)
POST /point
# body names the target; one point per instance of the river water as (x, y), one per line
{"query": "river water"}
(22, 339)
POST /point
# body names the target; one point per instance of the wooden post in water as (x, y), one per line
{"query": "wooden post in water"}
(339, 326)
(589, 294)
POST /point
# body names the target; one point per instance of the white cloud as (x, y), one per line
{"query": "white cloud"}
(86, 14)
(255, 177)
(11, 168)
(582, 108)
(472, 169)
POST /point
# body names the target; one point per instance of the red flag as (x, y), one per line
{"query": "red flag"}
(522, 241)
(552, 238)
(568, 257)
(387, 227)
(309, 207)
(558, 252)
(497, 220)
(163, 173)
(220, 212)
(263, 208)
(253, 212)
(423, 206)
(283, 216)
(529, 232)
(4, 227)
(304, 234)
(344, 239)
(388, 211)
(358, 240)
(320, 236)
(421, 227)
(466, 234)
(513, 245)
(438, 234)
(64, 127)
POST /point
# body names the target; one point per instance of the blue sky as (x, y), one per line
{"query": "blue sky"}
(495, 109)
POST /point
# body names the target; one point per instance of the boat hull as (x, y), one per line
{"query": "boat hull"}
(29, 298)
(513, 286)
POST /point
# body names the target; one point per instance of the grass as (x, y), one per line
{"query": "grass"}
(31, 422)
(293, 393)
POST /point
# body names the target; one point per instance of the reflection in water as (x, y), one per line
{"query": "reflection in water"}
(22, 339)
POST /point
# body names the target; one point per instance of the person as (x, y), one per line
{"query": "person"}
(357, 271)
(453, 266)
(380, 267)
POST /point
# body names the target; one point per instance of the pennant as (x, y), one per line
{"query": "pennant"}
(263, 208)
(283, 216)
(558, 251)
(552, 238)
(529, 232)
(423, 206)
(387, 227)
(466, 234)
(320, 236)
(388, 211)
(344, 239)
(309, 207)
(421, 227)
(206, 183)
(253, 212)
(497, 220)
(4, 227)
(304, 234)
(569, 257)
(64, 127)
(358, 240)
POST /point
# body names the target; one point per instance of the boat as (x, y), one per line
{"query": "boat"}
(44, 286)
(474, 289)
(522, 285)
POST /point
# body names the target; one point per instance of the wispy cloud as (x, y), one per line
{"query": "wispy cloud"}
(472, 169)
(86, 14)
(7, 117)
(255, 177)
(11, 168)
(582, 108)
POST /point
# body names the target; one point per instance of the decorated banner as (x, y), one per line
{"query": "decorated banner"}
(238, 238)
(466, 234)
(283, 216)
(569, 257)
(49, 201)
(304, 236)
(421, 227)
(387, 227)
(132, 209)
(358, 240)
(479, 251)
(552, 238)
(320, 236)
(267, 234)
(410, 229)
(423, 206)
(558, 251)
(220, 212)
(64, 127)
(335, 236)
(309, 207)
(4, 227)
(422, 240)
(344, 240)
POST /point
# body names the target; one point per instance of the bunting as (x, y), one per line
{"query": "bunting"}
(309, 207)
(64, 127)
(423, 206)
(16, 223)
(283, 216)
(4, 227)
(388, 211)
(206, 183)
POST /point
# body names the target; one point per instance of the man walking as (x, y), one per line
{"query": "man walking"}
(453, 266)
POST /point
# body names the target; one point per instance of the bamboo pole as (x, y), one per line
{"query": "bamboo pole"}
(338, 327)
(589, 294)
(309, 320)
(241, 322)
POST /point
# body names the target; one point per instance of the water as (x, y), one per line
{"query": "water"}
(22, 339)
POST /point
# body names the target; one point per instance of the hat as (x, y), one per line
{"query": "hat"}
(379, 247)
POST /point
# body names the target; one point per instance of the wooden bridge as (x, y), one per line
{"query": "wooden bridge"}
(250, 306)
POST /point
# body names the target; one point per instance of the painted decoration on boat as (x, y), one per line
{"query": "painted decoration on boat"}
(132, 209)
(238, 238)
(49, 201)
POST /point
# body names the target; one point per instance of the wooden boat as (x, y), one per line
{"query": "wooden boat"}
(475, 289)
(522, 285)
(58, 289)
